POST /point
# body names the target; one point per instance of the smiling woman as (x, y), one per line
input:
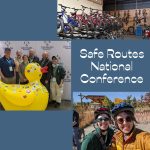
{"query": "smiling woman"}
(128, 136)
(102, 136)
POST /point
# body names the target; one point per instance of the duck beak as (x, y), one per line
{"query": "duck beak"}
(44, 69)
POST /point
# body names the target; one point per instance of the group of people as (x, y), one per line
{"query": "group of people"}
(122, 135)
(12, 71)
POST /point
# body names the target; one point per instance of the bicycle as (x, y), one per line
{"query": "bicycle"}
(64, 27)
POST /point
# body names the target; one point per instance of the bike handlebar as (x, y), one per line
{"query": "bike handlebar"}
(62, 6)
(76, 9)
(83, 7)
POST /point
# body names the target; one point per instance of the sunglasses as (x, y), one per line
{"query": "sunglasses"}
(103, 119)
(127, 119)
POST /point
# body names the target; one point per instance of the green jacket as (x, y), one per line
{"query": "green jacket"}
(60, 74)
(92, 142)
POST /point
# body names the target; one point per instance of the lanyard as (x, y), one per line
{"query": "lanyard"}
(42, 63)
(9, 61)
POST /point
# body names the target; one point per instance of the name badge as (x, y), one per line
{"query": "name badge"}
(10, 68)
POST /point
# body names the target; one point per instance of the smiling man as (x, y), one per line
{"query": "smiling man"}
(128, 137)
(7, 68)
(100, 138)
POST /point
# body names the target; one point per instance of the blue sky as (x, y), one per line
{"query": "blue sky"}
(110, 95)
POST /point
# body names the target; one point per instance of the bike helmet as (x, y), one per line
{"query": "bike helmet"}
(122, 107)
(102, 110)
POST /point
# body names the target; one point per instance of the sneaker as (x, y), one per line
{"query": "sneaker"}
(52, 102)
(57, 105)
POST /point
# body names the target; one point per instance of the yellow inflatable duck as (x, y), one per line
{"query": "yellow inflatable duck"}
(31, 96)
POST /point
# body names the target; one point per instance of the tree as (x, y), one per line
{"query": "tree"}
(128, 100)
(107, 102)
(142, 98)
(134, 102)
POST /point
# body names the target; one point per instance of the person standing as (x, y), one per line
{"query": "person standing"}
(75, 123)
(101, 137)
(18, 60)
(22, 66)
(32, 57)
(128, 136)
(7, 68)
(46, 76)
(57, 80)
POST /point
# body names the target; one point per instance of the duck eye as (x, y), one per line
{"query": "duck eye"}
(28, 71)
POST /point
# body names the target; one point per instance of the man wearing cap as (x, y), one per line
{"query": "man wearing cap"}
(57, 80)
(100, 138)
(128, 137)
(7, 67)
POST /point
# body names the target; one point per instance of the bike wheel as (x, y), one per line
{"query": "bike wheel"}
(68, 30)
(85, 27)
(84, 30)
(79, 24)
(60, 26)
(91, 25)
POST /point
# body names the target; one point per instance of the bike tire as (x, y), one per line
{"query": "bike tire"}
(91, 25)
(79, 24)
(60, 25)
(68, 30)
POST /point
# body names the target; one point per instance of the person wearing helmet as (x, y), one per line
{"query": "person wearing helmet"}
(100, 138)
(128, 137)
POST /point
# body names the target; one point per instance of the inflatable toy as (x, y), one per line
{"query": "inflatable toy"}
(28, 97)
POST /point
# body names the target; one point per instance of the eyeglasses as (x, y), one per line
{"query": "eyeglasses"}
(102, 119)
(127, 119)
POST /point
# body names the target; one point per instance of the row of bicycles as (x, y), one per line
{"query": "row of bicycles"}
(94, 25)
